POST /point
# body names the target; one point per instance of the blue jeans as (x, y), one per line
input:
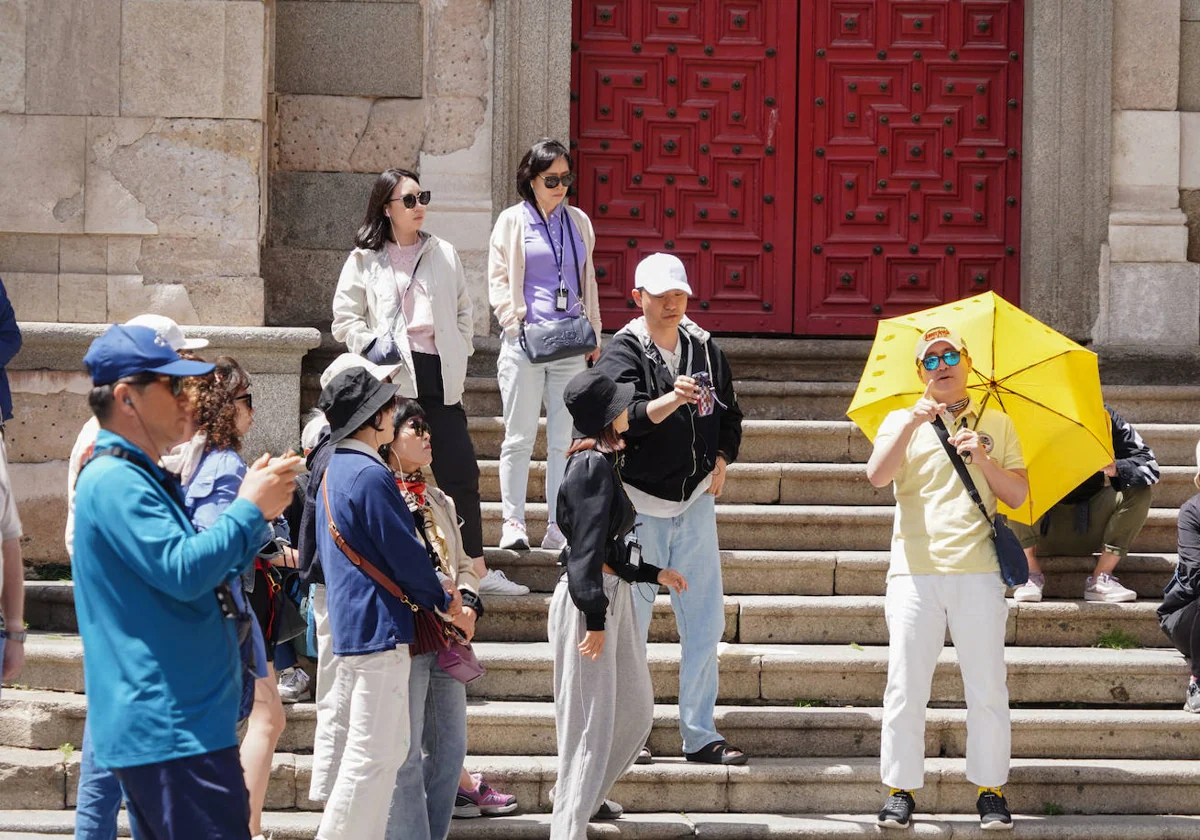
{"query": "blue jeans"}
(688, 544)
(427, 782)
(98, 798)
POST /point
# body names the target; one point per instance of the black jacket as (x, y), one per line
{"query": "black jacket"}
(670, 459)
(306, 542)
(595, 514)
(1136, 465)
(1184, 587)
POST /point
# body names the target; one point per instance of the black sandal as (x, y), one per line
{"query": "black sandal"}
(718, 752)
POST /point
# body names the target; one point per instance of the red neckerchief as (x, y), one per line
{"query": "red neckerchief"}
(414, 484)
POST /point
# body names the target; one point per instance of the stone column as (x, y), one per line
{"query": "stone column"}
(1149, 293)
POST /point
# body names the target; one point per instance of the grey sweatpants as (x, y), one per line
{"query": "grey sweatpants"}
(603, 708)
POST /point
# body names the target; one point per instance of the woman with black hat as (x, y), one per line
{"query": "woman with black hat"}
(598, 650)
(368, 548)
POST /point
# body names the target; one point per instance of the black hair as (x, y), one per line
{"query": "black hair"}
(376, 420)
(101, 397)
(406, 409)
(376, 227)
(538, 159)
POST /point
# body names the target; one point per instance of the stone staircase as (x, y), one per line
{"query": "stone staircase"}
(1101, 748)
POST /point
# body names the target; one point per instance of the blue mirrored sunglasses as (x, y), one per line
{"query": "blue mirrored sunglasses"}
(950, 357)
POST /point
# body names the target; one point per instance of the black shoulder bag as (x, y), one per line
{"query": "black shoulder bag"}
(1014, 567)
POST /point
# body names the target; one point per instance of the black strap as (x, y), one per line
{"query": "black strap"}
(173, 489)
(961, 468)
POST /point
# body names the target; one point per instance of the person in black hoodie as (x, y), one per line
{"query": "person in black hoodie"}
(603, 699)
(685, 428)
(1179, 612)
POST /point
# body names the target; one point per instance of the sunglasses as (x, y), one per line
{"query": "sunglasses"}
(950, 357)
(247, 398)
(552, 181)
(410, 200)
(419, 426)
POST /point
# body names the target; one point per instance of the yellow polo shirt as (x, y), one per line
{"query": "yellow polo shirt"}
(938, 529)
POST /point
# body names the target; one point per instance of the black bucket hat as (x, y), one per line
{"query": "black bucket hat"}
(351, 399)
(595, 400)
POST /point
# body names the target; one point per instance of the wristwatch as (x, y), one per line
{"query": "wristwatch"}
(15, 635)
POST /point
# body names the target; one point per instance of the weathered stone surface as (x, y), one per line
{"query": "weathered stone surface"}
(451, 123)
(189, 178)
(73, 57)
(12, 56)
(130, 295)
(349, 49)
(43, 185)
(44, 426)
(83, 254)
(123, 254)
(189, 58)
(34, 297)
(299, 285)
(475, 267)
(1189, 65)
(41, 490)
(393, 137)
(1189, 201)
(1145, 159)
(1145, 54)
(318, 133)
(1154, 304)
(163, 258)
(459, 32)
(1189, 151)
(28, 252)
(317, 210)
(83, 298)
(227, 301)
(1148, 243)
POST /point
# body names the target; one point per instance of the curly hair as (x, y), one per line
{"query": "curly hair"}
(212, 402)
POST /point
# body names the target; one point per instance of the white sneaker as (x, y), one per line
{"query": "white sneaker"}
(294, 685)
(513, 535)
(554, 539)
(495, 582)
(1030, 591)
(1108, 589)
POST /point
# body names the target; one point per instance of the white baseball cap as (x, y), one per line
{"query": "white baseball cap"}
(169, 331)
(312, 432)
(934, 335)
(384, 373)
(661, 273)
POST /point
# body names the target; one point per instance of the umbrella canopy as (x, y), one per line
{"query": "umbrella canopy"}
(1047, 384)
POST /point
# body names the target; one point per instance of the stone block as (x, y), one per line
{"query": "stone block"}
(167, 258)
(186, 178)
(1189, 202)
(83, 298)
(83, 254)
(34, 297)
(1189, 65)
(12, 56)
(28, 252)
(317, 210)
(41, 491)
(459, 36)
(1154, 303)
(244, 94)
(123, 254)
(43, 185)
(73, 60)
(130, 295)
(227, 301)
(33, 778)
(319, 133)
(393, 137)
(1145, 44)
(349, 49)
(1148, 243)
(299, 285)
(1189, 151)
(452, 122)
(1145, 159)
(44, 426)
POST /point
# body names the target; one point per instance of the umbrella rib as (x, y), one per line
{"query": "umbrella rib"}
(1032, 366)
(1047, 408)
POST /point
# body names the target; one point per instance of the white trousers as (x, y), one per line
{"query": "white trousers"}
(918, 608)
(323, 769)
(363, 735)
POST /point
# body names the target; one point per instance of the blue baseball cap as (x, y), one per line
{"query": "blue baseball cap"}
(125, 351)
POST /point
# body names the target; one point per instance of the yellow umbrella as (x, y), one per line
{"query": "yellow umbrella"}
(1047, 384)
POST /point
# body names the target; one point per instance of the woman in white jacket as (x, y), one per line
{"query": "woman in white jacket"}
(402, 298)
(540, 268)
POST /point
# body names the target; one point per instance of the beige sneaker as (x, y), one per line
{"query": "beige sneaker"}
(1108, 589)
(1030, 592)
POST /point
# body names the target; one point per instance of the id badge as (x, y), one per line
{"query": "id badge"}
(560, 300)
(635, 553)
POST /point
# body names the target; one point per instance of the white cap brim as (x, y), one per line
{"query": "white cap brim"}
(662, 288)
(193, 344)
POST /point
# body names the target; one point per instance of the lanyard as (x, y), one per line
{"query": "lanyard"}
(560, 253)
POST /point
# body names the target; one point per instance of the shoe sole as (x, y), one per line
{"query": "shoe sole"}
(1190, 710)
(1027, 599)
(467, 812)
(1104, 599)
(644, 759)
(499, 811)
(890, 823)
(996, 826)
(306, 697)
(519, 545)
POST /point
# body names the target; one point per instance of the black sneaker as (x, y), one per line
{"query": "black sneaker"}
(993, 810)
(1192, 703)
(898, 810)
(609, 810)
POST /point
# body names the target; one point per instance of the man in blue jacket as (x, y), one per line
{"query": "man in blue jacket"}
(159, 629)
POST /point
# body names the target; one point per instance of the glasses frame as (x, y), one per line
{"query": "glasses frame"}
(945, 357)
(247, 398)
(566, 180)
(409, 200)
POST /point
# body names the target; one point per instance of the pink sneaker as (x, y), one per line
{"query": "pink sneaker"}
(483, 801)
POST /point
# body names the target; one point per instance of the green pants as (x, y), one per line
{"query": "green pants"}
(1115, 517)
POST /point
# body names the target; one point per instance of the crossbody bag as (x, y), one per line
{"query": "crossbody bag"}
(549, 341)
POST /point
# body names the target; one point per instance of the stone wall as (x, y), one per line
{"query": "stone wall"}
(360, 87)
(1189, 105)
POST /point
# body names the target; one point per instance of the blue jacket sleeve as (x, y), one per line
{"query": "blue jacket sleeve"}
(166, 554)
(225, 486)
(10, 333)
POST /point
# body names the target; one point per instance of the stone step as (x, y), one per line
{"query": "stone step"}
(832, 441)
(813, 527)
(811, 484)
(302, 825)
(45, 720)
(850, 674)
(832, 572)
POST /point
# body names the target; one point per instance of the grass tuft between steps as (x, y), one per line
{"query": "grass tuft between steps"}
(1117, 639)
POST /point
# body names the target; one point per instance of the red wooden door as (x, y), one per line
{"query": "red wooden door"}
(909, 158)
(683, 119)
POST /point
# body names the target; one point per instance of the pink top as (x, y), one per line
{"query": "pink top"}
(415, 304)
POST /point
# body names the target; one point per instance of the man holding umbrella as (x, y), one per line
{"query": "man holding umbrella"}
(943, 571)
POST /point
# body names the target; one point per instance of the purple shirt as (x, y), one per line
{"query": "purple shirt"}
(545, 244)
